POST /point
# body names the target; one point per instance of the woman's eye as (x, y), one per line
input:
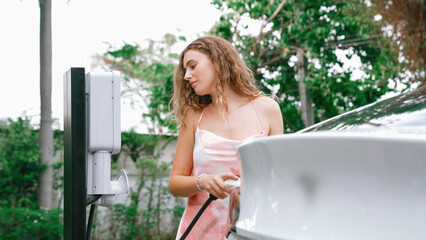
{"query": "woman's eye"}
(192, 67)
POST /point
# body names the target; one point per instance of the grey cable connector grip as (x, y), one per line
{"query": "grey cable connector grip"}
(233, 183)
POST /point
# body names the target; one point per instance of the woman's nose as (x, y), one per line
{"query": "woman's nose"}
(187, 76)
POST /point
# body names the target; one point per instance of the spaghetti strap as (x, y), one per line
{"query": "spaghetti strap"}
(255, 109)
(199, 120)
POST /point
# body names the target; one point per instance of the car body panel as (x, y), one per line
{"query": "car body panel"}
(333, 185)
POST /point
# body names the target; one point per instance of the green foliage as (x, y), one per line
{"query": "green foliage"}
(150, 203)
(144, 222)
(19, 164)
(322, 29)
(126, 52)
(25, 223)
(148, 77)
(156, 196)
(58, 167)
(160, 92)
(134, 144)
(123, 218)
(149, 207)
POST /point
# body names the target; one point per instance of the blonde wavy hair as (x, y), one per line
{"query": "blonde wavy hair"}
(231, 73)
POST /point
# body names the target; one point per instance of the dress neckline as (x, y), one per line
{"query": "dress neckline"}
(233, 140)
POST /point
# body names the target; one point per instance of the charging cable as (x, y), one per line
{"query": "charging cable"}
(191, 225)
(231, 183)
(89, 201)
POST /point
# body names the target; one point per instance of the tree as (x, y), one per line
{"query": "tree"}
(46, 132)
(408, 32)
(296, 54)
(148, 75)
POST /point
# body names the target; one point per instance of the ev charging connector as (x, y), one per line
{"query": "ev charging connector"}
(103, 120)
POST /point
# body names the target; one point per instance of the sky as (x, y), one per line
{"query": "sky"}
(81, 29)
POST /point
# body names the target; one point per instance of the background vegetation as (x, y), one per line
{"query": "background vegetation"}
(317, 58)
(20, 216)
(301, 53)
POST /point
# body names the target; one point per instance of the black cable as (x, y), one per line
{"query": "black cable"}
(191, 225)
(92, 199)
(89, 223)
(89, 201)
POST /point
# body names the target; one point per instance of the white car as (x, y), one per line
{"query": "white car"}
(360, 175)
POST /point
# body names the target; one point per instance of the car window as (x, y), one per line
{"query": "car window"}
(406, 112)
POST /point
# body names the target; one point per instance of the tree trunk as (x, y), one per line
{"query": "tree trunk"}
(302, 69)
(46, 133)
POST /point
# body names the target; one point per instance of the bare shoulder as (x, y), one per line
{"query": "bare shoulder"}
(190, 118)
(271, 112)
(267, 105)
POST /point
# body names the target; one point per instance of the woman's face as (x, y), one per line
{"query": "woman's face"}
(199, 72)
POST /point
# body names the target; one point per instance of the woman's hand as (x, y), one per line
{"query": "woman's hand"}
(215, 184)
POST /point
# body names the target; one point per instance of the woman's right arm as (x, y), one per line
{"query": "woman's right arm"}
(181, 183)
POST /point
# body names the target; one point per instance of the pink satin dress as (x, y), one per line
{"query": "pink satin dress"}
(212, 154)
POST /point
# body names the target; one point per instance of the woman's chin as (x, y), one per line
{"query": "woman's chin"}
(200, 92)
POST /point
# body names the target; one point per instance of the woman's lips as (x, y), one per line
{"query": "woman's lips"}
(192, 83)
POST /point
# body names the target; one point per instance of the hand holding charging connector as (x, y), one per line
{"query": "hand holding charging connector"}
(231, 184)
(217, 184)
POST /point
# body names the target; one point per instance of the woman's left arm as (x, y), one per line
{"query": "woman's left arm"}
(272, 113)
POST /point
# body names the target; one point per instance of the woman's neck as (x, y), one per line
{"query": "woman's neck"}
(233, 101)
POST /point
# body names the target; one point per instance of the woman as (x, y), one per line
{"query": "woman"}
(217, 107)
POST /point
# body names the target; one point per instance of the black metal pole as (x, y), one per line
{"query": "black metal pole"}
(75, 154)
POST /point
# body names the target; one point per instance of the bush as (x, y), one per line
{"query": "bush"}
(25, 223)
(19, 164)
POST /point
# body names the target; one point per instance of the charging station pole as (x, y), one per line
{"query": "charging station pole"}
(75, 154)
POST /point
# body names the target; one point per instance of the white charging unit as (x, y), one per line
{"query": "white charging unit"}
(103, 118)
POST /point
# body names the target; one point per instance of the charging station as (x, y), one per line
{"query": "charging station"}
(92, 133)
